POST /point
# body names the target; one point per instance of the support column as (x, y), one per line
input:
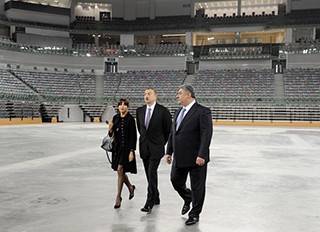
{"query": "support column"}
(72, 11)
(237, 37)
(188, 38)
(314, 32)
(192, 8)
(12, 30)
(288, 36)
(239, 7)
(289, 6)
(152, 9)
(96, 40)
(2, 11)
(127, 39)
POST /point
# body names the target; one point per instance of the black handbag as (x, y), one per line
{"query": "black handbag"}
(108, 144)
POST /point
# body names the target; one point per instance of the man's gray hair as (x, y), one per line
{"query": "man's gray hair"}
(189, 89)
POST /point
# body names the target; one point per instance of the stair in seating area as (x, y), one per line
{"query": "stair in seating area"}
(93, 110)
(49, 111)
(10, 110)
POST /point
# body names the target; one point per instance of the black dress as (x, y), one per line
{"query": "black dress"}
(125, 135)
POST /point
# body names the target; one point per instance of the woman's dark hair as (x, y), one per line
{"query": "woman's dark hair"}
(123, 100)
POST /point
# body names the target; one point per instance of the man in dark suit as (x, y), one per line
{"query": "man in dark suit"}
(189, 142)
(154, 124)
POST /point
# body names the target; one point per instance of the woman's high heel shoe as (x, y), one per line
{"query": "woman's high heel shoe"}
(118, 206)
(131, 194)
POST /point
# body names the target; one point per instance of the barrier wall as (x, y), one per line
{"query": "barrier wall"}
(13, 121)
(266, 123)
(17, 121)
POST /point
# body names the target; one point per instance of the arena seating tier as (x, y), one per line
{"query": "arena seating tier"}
(241, 94)
(19, 109)
(9, 83)
(235, 87)
(302, 86)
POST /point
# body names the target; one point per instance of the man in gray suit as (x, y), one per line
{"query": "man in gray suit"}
(189, 142)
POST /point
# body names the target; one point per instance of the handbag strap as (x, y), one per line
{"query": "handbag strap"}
(107, 154)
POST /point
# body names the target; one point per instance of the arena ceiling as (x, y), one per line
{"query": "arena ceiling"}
(234, 3)
(208, 4)
(57, 3)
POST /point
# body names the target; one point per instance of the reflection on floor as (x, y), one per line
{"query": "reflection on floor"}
(56, 178)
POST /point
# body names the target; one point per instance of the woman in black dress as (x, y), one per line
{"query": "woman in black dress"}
(123, 128)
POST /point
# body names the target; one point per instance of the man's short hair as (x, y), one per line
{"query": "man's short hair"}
(154, 90)
(189, 89)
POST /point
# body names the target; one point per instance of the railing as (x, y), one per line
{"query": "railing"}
(102, 51)
(17, 96)
(299, 49)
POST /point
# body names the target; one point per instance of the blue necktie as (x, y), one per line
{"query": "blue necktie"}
(180, 117)
(148, 118)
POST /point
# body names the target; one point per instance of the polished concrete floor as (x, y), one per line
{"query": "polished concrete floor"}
(56, 178)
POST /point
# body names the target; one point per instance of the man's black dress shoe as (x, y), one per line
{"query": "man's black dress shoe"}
(146, 209)
(192, 221)
(131, 195)
(185, 208)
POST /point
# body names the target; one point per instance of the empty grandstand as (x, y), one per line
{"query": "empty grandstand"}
(248, 60)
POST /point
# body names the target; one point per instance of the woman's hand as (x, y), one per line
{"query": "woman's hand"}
(110, 126)
(131, 156)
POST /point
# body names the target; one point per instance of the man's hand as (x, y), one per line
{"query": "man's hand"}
(200, 161)
(168, 159)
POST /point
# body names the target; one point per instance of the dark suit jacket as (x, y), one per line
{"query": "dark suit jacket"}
(154, 138)
(193, 137)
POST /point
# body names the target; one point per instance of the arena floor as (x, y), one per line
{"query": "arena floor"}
(56, 178)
